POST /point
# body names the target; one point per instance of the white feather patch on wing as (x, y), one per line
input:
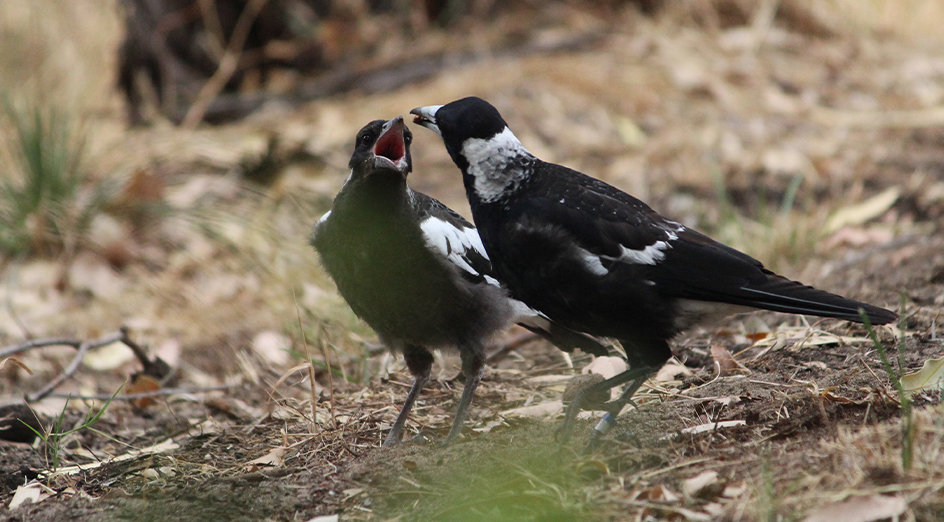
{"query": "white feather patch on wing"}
(453, 242)
(526, 315)
(592, 262)
(649, 255)
(318, 225)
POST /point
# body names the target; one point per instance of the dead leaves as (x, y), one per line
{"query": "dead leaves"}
(703, 498)
(869, 209)
(930, 376)
(725, 362)
(33, 492)
(274, 458)
(859, 509)
(15, 362)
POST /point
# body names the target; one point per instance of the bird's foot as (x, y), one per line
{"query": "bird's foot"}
(423, 438)
(393, 438)
(420, 439)
(563, 433)
(599, 431)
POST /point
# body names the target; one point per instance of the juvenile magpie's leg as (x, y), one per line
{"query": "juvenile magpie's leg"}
(473, 367)
(419, 361)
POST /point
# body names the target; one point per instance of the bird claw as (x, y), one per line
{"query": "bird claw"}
(423, 438)
(599, 431)
(563, 433)
(595, 439)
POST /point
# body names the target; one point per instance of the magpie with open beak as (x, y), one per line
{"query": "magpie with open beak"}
(416, 271)
(597, 260)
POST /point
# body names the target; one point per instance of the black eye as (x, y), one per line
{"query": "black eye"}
(408, 139)
(364, 139)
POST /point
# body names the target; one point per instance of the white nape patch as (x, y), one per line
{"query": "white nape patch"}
(592, 262)
(452, 242)
(488, 160)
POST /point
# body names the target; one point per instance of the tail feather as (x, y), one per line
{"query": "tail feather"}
(783, 295)
(567, 339)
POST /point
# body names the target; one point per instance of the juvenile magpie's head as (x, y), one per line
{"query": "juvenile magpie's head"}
(383, 146)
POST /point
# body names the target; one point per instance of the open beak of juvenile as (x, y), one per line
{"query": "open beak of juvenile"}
(390, 148)
(426, 116)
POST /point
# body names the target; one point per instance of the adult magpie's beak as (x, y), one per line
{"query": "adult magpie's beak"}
(426, 116)
(390, 148)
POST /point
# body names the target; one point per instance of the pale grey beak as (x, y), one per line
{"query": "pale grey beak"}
(426, 116)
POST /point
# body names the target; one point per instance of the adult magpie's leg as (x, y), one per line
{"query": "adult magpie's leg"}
(636, 375)
(645, 357)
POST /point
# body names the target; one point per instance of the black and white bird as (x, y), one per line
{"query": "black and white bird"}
(416, 271)
(597, 260)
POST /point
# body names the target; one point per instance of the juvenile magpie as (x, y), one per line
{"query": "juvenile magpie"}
(597, 260)
(416, 271)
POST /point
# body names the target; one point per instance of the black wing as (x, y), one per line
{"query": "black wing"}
(617, 241)
(453, 237)
(457, 240)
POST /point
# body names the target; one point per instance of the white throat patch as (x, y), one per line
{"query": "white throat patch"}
(488, 161)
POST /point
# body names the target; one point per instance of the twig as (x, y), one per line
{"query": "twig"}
(229, 64)
(39, 343)
(211, 20)
(138, 351)
(311, 367)
(156, 368)
(145, 395)
(73, 366)
(83, 347)
(324, 353)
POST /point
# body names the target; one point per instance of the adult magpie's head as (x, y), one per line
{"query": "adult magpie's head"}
(491, 158)
(461, 120)
(383, 146)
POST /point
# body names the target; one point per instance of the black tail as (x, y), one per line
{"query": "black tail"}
(567, 339)
(783, 295)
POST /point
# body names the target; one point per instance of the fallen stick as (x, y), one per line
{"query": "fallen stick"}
(144, 395)
(156, 368)
(39, 343)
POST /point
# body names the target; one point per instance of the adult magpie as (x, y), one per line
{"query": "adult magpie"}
(416, 271)
(597, 260)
